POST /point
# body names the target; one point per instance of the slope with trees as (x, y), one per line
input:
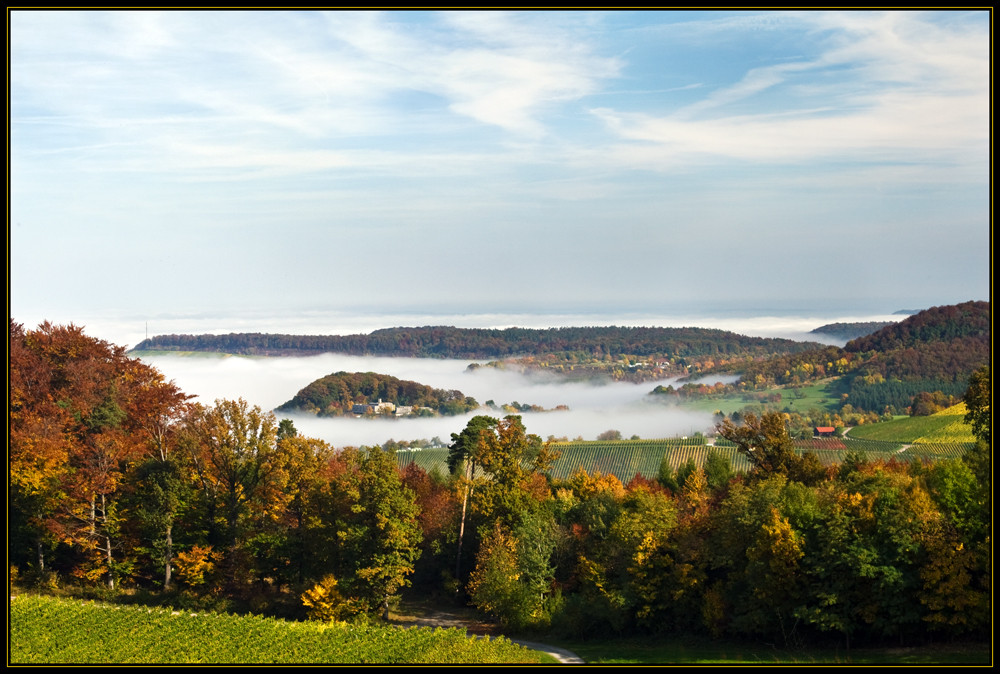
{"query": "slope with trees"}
(336, 394)
(934, 352)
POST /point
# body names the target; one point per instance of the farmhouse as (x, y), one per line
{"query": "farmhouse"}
(373, 408)
(824, 431)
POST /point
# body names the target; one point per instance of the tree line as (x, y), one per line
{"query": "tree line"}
(482, 343)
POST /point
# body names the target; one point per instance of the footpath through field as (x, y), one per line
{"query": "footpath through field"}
(479, 628)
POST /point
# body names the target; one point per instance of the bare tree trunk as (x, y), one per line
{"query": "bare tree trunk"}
(461, 526)
(168, 556)
(107, 543)
(41, 556)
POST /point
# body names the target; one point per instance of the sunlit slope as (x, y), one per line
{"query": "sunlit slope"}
(947, 426)
(47, 630)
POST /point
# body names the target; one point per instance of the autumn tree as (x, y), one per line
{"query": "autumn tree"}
(767, 445)
(513, 461)
(38, 451)
(79, 412)
(240, 474)
(462, 456)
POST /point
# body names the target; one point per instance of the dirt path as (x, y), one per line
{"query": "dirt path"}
(474, 626)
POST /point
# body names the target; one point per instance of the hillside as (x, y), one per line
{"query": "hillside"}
(937, 324)
(341, 393)
(934, 350)
(947, 426)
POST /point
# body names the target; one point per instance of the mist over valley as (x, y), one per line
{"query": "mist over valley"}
(593, 408)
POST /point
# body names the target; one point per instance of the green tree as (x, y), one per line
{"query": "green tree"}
(382, 537)
(511, 460)
(977, 400)
(160, 491)
(462, 455)
(718, 469)
(763, 440)
(465, 444)
(980, 457)
(513, 578)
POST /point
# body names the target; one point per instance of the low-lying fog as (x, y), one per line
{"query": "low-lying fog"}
(269, 382)
(594, 408)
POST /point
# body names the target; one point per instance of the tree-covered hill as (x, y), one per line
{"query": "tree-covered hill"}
(934, 350)
(483, 343)
(937, 324)
(337, 394)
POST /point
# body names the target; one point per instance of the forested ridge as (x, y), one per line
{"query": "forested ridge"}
(482, 343)
(970, 320)
(337, 393)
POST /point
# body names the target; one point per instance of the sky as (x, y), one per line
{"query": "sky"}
(291, 163)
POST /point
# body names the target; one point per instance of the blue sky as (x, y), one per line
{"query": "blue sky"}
(208, 162)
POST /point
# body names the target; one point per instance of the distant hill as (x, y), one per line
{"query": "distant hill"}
(935, 350)
(850, 330)
(337, 395)
(937, 324)
(488, 344)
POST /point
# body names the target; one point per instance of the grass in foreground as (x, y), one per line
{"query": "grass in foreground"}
(676, 651)
(47, 630)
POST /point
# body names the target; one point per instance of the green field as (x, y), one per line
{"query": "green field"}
(48, 630)
(824, 395)
(669, 650)
(626, 458)
(945, 427)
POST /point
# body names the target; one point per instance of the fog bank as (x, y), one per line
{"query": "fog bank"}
(594, 408)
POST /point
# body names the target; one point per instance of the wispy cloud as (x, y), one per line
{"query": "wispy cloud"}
(883, 88)
(558, 142)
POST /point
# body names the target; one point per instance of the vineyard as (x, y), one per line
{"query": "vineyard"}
(627, 458)
(47, 630)
(945, 427)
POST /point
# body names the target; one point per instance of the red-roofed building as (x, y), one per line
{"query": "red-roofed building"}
(825, 431)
